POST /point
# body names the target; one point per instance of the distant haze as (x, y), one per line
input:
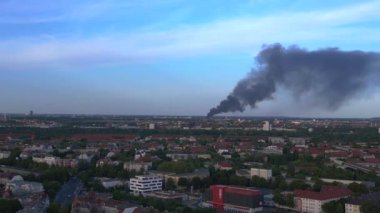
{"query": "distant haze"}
(324, 78)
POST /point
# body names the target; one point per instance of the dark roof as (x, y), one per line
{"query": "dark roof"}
(326, 193)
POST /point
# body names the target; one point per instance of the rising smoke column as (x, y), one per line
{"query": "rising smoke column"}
(328, 76)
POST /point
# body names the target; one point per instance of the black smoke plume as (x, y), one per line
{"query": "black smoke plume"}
(328, 76)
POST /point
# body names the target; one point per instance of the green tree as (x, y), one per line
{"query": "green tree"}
(279, 183)
(279, 198)
(196, 182)
(357, 189)
(370, 207)
(333, 207)
(298, 184)
(170, 185)
(289, 200)
(119, 195)
(51, 187)
(182, 182)
(97, 186)
(53, 208)
(329, 207)
(204, 210)
(259, 182)
(318, 185)
(9, 206)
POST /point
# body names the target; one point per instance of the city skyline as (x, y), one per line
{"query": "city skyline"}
(170, 57)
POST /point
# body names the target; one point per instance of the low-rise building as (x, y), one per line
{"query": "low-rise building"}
(5, 154)
(201, 173)
(276, 140)
(8, 177)
(180, 156)
(86, 157)
(94, 202)
(21, 187)
(299, 140)
(223, 165)
(167, 195)
(141, 163)
(111, 182)
(263, 173)
(34, 203)
(137, 166)
(273, 150)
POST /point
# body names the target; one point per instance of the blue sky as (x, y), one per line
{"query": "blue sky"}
(165, 57)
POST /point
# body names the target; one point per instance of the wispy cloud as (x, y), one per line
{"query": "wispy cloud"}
(46, 11)
(244, 34)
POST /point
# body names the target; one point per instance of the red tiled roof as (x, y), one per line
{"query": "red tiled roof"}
(315, 151)
(373, 160)
(237, 190)
(224, 164)
(324, 146)
(326, 193)
(103, 136)
(338, 154)
(299, 149)
(143, 159)
(373, 150)
(198, 149)
(153, 145)
(163, 136)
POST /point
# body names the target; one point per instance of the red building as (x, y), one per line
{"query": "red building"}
(233, 199)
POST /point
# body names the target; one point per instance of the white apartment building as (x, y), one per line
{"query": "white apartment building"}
(351, 208)
(267, 126)
(5, 154)
(312, 202)
(264, 173)
(145, 183)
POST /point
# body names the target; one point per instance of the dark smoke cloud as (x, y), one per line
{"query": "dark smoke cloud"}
(328, 77)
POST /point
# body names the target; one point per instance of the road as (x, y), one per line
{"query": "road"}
(68, 191)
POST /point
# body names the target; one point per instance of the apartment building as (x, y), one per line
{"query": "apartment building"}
(311, 202)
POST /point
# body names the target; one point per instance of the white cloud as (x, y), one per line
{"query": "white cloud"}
(245, 34)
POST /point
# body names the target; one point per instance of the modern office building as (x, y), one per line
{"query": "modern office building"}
(145, 183)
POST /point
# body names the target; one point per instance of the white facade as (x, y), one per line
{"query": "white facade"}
(4, 154)
(351, 208)
(145, 183)
(111, 183)
(311, 205)
(267, 126)
(152, 126)
(264, 173)
(276, 140)
(273, 150)
(20, 187)
(137, 166)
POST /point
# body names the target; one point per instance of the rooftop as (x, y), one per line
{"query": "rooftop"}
(326, 193)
